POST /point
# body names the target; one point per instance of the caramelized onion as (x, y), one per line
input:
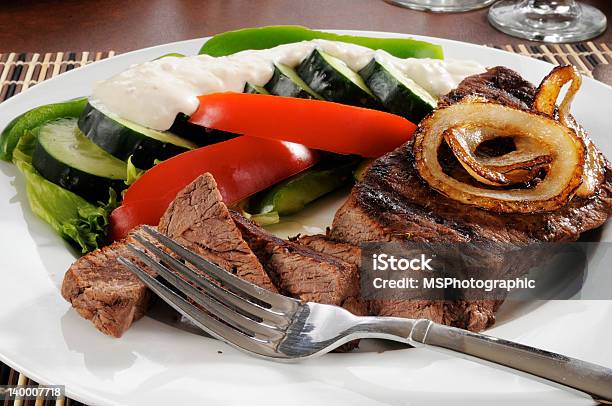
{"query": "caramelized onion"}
(545, 102)
(548, 92)
(519, 166)
(564, 155)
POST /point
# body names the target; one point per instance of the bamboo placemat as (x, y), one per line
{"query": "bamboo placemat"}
(584, 55)
(19, 71)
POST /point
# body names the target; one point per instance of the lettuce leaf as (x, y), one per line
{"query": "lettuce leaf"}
(81, 223)
(133, 173)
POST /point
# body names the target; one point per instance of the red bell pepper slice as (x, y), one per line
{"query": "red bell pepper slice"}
(241, 166)
(316, 124)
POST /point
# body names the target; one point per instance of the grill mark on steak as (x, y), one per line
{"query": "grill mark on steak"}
(498, 84)
(107, 293)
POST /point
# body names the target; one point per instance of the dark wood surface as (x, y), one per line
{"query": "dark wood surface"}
(124, 25)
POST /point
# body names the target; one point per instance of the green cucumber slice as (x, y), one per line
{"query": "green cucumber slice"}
(122, 138)
(33, 118)
(398, 93)
(331, 78)
(292, 195)
(254, 89)
(64, 156)
(286, 82)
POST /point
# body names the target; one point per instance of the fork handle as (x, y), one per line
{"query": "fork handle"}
(592, 379)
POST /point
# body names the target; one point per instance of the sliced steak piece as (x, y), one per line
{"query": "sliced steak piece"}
(393, 203)
(301, 272)
(199, 220)
(107, 293)
(104, 291)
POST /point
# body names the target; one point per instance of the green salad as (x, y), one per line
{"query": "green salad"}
(78, 158)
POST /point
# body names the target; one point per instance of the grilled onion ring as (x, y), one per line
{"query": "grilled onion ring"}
(545, 102)
(555, 190)
(519, 166)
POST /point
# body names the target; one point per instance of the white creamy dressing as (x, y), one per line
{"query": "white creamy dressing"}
(153, 93)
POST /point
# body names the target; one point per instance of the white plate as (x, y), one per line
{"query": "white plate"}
(154, 363)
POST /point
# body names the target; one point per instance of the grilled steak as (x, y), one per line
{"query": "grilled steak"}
(393, 203)
(107, 293)
(301, 272)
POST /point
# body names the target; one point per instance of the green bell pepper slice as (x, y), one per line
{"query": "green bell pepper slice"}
(268, 37)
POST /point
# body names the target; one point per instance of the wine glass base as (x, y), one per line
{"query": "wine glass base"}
(513, 20)
(442, 6)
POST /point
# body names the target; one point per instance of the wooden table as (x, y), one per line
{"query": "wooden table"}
(124, 25)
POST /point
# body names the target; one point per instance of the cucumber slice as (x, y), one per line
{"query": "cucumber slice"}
(33, 118)
(292, 195)
(331, 78)
(122, 138)
(254, 89)
(200, 136)
(286, 82)
(398, 93)
(66, 157)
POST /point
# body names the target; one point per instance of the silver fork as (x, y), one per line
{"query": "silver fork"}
(279, 328)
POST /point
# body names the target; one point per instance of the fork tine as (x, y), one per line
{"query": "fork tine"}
(277, 302)
(203, 320)
(208, 302)
(221, 294)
